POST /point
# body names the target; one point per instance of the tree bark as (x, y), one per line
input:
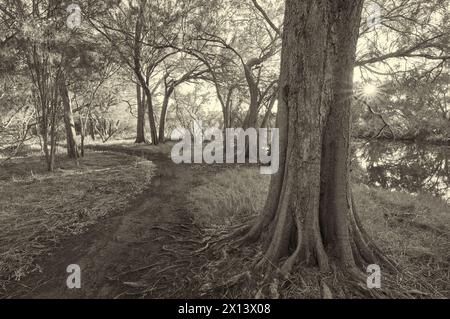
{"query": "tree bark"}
(228, 109)
(137, 68)
(140, 135)
(308, 216)
(91, 128)
(53, 124)
(151, 115)
(268, 113)
(72, 148)
(162, 120)
(253, 109)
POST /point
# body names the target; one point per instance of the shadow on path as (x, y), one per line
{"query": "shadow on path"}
(149, 250)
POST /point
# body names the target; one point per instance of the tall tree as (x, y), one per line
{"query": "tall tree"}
(173, 77)
(241, 52)
(309, 216)
(39, 40)
(143, 34)
(140, 132)
(69, 123)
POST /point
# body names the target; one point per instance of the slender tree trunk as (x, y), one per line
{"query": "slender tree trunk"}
(45, 146)
(140, 133)
(82, 144)
(149, 102)
(92, 128)
(72, 148)
(151, 116)
(252, 114)
(309, 216)
(138, 72)
(47, 103)
(162, 119)
(228, 107)
(266, 118)
(143, 102)
(225, 113)
(53, 119)
(83, 130)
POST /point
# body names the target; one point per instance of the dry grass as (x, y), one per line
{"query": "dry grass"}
(38, 209)
(231, 195)
(129, 144)
(412, 230)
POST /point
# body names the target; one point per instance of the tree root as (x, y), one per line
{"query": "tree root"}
(267, 277)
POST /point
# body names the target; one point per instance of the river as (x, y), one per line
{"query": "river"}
(409, 167)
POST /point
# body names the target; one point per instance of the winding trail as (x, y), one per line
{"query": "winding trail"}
(148, 251)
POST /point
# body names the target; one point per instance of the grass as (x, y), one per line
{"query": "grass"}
(38, 209)
(228, 197)
(412, 230)
(162, 148)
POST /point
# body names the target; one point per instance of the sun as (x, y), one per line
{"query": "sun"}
(370, 90)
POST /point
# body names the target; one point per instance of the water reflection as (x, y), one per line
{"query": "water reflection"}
(406, 166)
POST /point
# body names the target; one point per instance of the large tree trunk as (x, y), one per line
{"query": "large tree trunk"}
(72, 148)
(308, 215)
(140, 133)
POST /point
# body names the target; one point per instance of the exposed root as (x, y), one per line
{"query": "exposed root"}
(227, 257)
(326, 291)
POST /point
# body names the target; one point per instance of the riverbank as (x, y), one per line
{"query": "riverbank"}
(183, 207)
(411, 230)
(439, 141)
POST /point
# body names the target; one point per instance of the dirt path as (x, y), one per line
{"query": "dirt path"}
(148, 251)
